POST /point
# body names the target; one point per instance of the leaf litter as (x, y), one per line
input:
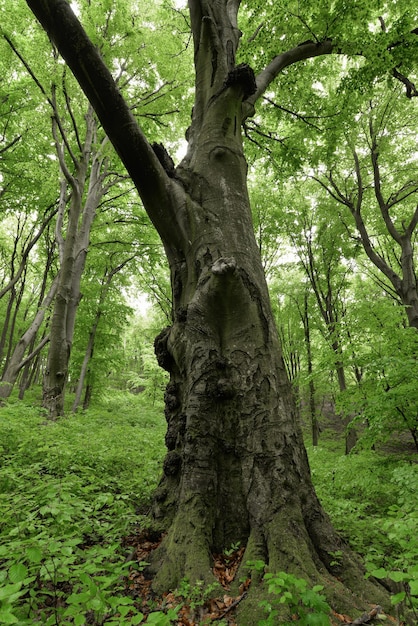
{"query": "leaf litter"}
(211, 610)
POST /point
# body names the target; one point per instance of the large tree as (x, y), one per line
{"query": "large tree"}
(236, 468)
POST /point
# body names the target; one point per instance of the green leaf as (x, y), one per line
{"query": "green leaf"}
(158, 618)
(413, 587)
(397, 577)
(6, 617)
(78, 598)
(379, 573)
(34, 555)
(18, 572)
(11, 592)
(398, 597)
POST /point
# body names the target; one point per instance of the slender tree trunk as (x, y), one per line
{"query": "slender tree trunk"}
(12, 321)
(31, 366)
(312, 404)
(42, 304)
(327, 304)
(87, 394)
(351, 435)
(83, 370)
(6, 324)
(73, 259)
(107, 279)
(16, 362)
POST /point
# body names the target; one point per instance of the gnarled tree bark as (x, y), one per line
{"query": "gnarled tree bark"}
(236, 468)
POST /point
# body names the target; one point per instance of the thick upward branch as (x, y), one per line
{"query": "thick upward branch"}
(309, 50)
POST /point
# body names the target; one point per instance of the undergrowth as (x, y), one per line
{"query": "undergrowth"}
(371, 498)
(70, 491)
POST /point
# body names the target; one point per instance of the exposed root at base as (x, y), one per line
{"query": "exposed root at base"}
(194, 604)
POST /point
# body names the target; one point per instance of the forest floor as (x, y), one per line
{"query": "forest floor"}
(73, 501)
(192, 607)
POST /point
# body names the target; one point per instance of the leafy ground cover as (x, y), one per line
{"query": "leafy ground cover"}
(69, 492)
(73, 500)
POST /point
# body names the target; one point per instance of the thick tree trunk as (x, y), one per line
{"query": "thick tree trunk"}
(236, 468)
(409, 285)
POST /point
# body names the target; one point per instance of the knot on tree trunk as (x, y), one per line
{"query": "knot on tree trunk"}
(172, 464)
(171, 396)
(224, 266)
(242, 76)
(164, 358)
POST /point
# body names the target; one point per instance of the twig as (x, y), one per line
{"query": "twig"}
(366, 618)
(231, 606)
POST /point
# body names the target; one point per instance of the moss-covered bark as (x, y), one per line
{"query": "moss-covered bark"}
(236, 469)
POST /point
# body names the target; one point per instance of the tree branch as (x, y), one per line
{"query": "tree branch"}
(302, 52)
(148, 175)
(34, 352)
(28, 247)
(411, 90)
(384, 209)
(308, 50)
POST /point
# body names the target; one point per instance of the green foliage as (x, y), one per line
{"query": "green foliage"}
(407, 583)
(195, 595)
(69, 493)
(386, 397)
(306, 606)
(371, 499)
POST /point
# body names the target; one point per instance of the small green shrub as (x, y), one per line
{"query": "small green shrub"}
(306, 606)
(407, 581)
(371, 499)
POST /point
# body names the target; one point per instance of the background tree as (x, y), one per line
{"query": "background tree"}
(376, 179)
(322, 250)
(79, 149)
(28, 209)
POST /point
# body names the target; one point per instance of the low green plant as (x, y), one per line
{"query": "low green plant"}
(306, 606)
(160, 618)
(406, 596)
(234, 547)
(371, 498)
(195, 596)
(336, 558)
(65, 507)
